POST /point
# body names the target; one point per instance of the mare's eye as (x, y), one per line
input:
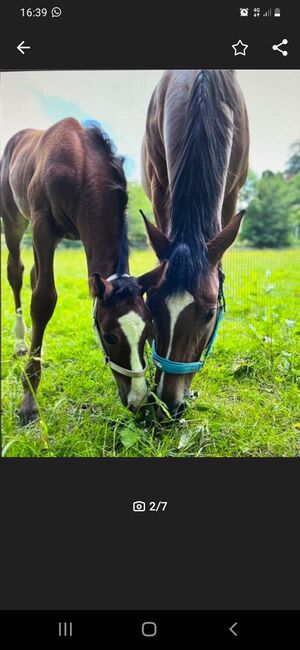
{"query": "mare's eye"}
(111, 339)
(209, 315)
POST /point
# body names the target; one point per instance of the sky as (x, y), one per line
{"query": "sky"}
(119, 100)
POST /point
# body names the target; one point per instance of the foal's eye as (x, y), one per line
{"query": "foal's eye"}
(111, 339)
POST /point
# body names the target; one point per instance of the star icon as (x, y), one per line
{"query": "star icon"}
(240, 48)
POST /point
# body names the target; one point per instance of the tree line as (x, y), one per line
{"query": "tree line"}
(273, 206)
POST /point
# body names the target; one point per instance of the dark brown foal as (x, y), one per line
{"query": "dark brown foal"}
(69, 183)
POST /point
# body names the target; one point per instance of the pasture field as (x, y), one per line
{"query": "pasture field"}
(246, 399)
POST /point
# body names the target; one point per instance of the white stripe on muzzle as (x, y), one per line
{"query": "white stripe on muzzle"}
(132, 326)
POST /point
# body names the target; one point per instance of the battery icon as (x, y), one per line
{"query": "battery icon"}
(277, 13)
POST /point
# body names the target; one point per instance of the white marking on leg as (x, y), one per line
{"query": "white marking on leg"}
(175, 304)
(132, 326)
(20, 333)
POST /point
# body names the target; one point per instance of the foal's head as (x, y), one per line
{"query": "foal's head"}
(184, 308)
(123, 323)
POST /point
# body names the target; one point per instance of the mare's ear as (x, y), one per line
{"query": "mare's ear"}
(217, 246)
(99, 287)
(157, 239)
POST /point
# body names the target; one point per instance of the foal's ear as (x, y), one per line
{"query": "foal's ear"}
(153, 278)
(217, 246)
(157, 239)
(99, 287)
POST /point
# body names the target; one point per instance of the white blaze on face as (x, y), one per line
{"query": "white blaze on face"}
(175, 304)
(132, 326)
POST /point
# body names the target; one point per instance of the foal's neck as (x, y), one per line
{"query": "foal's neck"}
(104, 253)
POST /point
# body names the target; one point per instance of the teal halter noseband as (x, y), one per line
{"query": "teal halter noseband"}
(183, 368)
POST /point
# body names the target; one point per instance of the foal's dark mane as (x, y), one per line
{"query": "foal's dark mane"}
(124, 289)
(199, 178)
(102, 142)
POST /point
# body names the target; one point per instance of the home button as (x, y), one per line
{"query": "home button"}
(149, 628)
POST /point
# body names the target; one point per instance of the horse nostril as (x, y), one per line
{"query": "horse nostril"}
(174, 411)
(181, 408)
(133, 408)
(177, 409)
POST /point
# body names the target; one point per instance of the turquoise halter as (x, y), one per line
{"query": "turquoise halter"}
(183, 368)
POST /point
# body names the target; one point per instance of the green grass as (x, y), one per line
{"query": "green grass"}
(246, 398)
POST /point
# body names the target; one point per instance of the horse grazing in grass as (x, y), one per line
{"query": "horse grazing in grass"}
(195, 160)
(69, 183)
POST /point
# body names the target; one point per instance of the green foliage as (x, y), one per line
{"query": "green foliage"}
(269, 219)
(294, 189)
(273, 205)
(246, 399)
(293, 164)
(138, 201)
(248, 191)
(130, 436)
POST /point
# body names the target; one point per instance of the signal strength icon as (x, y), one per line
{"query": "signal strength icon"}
(268, 12)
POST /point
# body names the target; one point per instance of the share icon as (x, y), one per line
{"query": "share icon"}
(277, 47)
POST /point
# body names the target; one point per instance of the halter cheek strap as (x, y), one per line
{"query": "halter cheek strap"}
(114, 366)
(180, 367)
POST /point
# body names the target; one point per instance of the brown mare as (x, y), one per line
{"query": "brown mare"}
(68, 182)
(195, 160)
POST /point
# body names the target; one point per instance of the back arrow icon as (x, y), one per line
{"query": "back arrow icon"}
(21, 47)
(231, 629)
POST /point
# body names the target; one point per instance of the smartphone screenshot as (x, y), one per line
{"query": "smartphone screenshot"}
(150, 248)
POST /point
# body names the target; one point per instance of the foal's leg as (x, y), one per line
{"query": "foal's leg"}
(33, 281)
(33, 278)
(43, 303)
(15, 267)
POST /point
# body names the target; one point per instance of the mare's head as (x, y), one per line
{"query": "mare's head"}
(184, 306)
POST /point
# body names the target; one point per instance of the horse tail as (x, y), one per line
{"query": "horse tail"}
(199, 178)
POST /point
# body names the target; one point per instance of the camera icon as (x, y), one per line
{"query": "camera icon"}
(139, 506)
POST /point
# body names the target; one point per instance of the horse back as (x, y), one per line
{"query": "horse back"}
(45, 170)
(166, 120)
(9, 207)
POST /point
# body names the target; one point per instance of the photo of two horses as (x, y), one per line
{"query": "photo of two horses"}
(156, 328)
